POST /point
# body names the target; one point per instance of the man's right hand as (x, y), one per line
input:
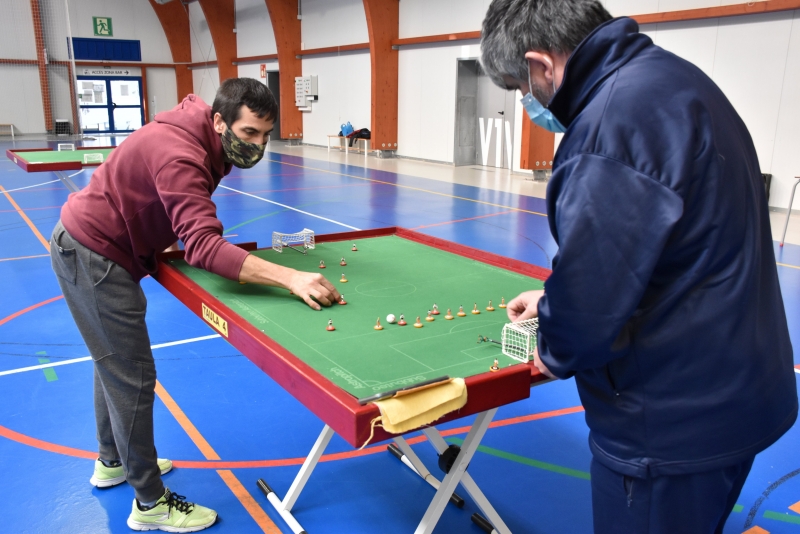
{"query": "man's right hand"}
(313, 288)
(308, 285)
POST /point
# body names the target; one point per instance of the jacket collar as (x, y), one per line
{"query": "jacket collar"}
(603, 52)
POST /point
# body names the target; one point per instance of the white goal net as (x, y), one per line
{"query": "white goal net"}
(519, 339)
(304, 239)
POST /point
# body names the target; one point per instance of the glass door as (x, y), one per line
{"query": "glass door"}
(126, 104)
(110, 104)
(93, 102)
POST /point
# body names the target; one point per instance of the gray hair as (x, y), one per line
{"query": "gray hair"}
(514, 27)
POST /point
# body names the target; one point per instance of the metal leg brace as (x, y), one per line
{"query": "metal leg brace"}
(67, 181)
(458, 474)
(469, 484)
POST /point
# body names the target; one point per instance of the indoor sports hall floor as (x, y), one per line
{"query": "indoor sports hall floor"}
(533, 465)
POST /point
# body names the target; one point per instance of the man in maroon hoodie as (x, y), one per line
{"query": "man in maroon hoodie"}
(154, 189)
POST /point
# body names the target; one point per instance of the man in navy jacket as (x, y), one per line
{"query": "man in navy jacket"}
(664, 301)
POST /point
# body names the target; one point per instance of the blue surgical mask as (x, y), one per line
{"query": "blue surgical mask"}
(540, 115)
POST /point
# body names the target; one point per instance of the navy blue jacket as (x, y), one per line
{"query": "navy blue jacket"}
(664, 300)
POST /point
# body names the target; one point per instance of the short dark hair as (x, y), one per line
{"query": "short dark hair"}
(514, 27)
(237, 92)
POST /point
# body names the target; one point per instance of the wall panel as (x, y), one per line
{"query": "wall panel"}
(344, 95)
(254, 35)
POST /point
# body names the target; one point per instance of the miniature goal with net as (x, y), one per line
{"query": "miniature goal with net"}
(519, 339)
(280, 240)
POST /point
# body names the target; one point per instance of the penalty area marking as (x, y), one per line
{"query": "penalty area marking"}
(88, 358)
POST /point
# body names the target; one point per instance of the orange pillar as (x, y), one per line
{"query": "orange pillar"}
(175, 22)
(536, 152)
(383, 22)
(286, 26)
(221, 18)
(41, 60)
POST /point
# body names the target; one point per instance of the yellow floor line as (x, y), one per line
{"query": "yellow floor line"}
(787, 265)
(252, 507)
(22, 214)
(248, 502)
(412, 188)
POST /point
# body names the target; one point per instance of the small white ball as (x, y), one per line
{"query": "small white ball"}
(390, 318)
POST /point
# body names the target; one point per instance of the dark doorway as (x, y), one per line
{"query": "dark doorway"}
(274, 85)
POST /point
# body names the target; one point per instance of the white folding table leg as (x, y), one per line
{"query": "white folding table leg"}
(284, 507)
(469, 484)
(457, 472)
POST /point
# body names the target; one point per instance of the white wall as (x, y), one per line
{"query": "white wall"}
(21, 102)
(427, 99)
(254, 35)
(755, 60)
(130, 19)
(434, 17)
(134, 20)
(333, 23)
(344, 78)
(344, 95)
(205, 80)
(19, 85)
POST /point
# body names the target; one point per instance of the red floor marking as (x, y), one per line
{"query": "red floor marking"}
(45, 445)
(29, 308)
(243, 464)
(463, 220)
(795, 507)
(756, 530)
(26, 257)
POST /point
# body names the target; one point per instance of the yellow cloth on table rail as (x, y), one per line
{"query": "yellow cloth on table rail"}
(418, 408)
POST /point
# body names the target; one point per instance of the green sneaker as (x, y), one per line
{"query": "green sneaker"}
(105, 477)
(171, 513)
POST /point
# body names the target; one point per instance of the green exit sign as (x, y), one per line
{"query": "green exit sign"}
(102, 26)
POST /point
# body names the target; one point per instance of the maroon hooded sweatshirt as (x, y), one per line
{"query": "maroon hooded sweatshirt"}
(155, 188)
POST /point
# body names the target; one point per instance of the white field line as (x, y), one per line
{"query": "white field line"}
(288, 207)
(88, 358)
(29, 186)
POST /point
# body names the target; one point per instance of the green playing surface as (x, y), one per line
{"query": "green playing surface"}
(386, 275)
(55, 156)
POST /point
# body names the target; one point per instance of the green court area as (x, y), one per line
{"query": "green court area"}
(387, 275)
(62, 156)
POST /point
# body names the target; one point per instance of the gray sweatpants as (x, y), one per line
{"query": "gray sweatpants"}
(109, 308)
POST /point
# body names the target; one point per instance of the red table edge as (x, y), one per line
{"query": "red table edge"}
(25, 165)
(337, 408)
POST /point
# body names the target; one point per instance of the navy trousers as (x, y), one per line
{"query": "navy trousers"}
(698, 503)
